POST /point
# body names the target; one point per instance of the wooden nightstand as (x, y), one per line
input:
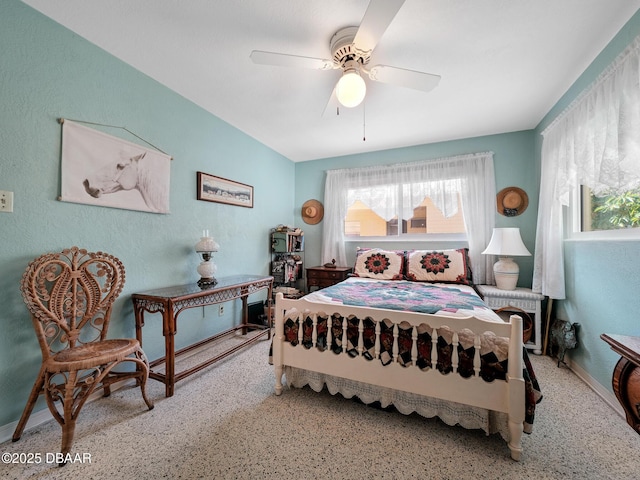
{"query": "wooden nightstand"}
(522, 298)
(322, 277)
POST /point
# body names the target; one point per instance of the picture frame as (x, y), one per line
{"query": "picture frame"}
(108, 171)
(212, 188)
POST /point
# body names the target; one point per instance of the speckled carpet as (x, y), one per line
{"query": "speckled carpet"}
(225, 422)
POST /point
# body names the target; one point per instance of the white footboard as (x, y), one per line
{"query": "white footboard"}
(506, 396)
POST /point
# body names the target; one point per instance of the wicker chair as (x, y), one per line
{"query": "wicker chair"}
(70, 296)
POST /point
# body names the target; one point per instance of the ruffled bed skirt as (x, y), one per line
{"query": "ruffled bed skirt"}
(451, 413)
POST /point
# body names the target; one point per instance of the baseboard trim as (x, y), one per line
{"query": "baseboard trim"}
(608, 397)
(44, 415)
(36, 418)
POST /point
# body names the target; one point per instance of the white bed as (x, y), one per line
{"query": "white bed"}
(387, 362)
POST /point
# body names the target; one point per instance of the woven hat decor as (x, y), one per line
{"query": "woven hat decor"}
(512, 201)
(312, 212)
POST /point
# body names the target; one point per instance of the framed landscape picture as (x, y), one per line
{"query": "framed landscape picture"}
(221, 190)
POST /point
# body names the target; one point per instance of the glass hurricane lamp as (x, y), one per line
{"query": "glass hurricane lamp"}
(207, 268)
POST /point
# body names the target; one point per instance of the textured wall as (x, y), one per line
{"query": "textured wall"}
(514, 164)
(602, 295)
(602, 277)
(48, 72)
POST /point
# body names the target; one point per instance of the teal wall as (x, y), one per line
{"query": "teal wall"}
(602, 277)
(514, 163)
(47, 72)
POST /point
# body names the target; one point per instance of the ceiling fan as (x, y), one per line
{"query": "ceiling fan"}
(351, 49)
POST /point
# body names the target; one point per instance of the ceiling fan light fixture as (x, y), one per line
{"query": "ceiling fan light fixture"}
(351, 89)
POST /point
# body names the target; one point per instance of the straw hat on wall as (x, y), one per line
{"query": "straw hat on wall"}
(512, 201)
(312, 212)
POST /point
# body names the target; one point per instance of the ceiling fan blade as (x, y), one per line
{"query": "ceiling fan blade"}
(404, 78)
(376, 19)
(284, 60)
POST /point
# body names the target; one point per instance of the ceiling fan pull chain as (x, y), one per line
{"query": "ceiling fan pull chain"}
(364, 123)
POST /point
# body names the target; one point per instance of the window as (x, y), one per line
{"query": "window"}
(593, 142)
(604, 217)
(381, 202)
(609, 212)
(427, 218)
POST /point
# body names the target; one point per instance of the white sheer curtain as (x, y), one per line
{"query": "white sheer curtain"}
(594, 142)
(408, 184)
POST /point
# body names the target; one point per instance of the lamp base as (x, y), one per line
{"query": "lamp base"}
(206, 270)
(207, 282)
(506, 273)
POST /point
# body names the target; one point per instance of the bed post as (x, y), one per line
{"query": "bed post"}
(516, 388)
(278, 342)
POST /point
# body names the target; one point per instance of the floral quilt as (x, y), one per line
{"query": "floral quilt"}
(404, 295)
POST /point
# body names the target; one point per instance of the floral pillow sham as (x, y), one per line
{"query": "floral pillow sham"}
(444, 266)
(379, 264)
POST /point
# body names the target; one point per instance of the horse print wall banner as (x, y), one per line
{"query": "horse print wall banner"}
(99, 169)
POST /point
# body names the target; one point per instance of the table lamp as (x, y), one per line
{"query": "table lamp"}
(205, 247)
(507, 243)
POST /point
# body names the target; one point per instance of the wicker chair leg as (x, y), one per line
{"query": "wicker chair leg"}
(71, 407)
(144, 375)
(68, 430)
(31, 402)
(107, 390)
(144, 395)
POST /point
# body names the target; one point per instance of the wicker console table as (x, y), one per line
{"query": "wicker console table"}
(171, 301)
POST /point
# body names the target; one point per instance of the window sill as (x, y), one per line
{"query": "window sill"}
(622, 235)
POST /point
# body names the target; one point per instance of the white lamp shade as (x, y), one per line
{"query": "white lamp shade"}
(506, 242)
(351, 89)
(207, 243)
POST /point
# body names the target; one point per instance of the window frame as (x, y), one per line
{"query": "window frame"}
(574, 224)
(410, 237)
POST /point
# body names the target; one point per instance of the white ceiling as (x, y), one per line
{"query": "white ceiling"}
(504, 63)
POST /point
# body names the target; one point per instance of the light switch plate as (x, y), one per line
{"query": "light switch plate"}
(6, 201)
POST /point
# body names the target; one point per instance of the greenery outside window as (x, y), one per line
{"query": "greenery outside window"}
(605, 217)
(609, 212)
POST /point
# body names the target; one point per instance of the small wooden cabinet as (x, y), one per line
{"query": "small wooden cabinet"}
(322, 277)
